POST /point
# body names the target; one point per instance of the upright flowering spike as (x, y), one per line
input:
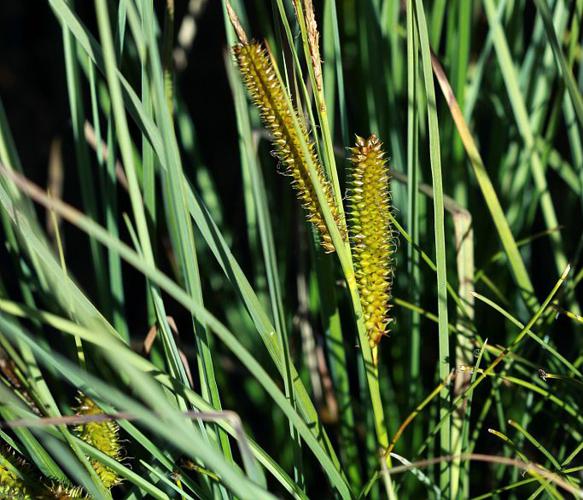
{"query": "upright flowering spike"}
(101, 435)
(371, 239)
(268, 94)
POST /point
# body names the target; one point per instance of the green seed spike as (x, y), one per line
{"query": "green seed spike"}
(269, 95)
(101, 435)
(12, 484)
(371, 235)
(19, 481)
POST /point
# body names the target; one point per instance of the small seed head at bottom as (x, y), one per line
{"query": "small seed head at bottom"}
(102, 435)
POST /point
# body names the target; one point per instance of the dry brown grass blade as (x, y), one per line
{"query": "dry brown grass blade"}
(107, 417)
(314, 42)
(528, 467)
(234, 18)
(226, 415)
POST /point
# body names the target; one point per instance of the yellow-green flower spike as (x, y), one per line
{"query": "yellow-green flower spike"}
(269, 95)
(12, 484)
(101, 435)
(18, 481)
(371, 238)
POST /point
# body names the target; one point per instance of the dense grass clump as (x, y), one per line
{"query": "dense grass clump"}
(179, 321)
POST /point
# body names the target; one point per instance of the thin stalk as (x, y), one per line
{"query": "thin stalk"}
(535, 443)
(107, 174)
(413, 203)
(337, 357)
(439, 229)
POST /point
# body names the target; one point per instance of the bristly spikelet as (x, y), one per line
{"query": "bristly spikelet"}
(12, 485)
(60, 492)
(19, 481)
(371, 239)
(269, 95)
(101, 435)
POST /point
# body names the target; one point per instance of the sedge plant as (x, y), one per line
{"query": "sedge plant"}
(398, 315)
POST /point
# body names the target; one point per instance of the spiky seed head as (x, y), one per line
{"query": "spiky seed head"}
(101, 435)
(19, 481)
(60, 492)
(269, 95)
(371, 236)
(12, 485)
